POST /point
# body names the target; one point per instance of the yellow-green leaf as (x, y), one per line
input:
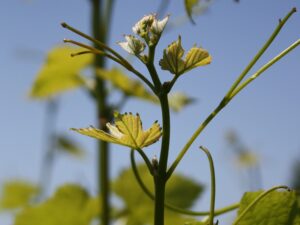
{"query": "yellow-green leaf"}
(178, 100)
(196, 57)
(172, 58)
(135, 88)
(277, 208)
(60, 73)
(17, 194)
(129, 86)
(140, 207)
(196, 223)
(69, 146)
(127, 131)
(173, 62)
(189, 5)
(70, 205)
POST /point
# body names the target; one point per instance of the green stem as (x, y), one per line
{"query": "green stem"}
(171, 83)
(232, 91)
(194, 136)
(97, 42)
(261, 51)
(117, 58)
(138, 177)
(147, 161)
(264, 68)
(152, 70)
(170, 206)
(160, 176)
(256, 200)
(213, 185)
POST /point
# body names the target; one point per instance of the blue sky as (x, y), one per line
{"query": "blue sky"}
(265, 115)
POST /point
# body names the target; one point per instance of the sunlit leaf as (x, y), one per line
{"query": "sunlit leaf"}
(189, 5)
(140, 206)
(178, 100)
(274, 209)
(172, 58)
(70, 205)
(127, 131)
(195, 223)
(128, 85)
(173, 62)
(69, 146)
(196, 57)
(135, 88)
(60, 73)
(17, 193)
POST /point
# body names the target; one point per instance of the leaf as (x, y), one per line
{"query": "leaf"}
(129, 86)
(67, 145)
(173, 62)
(178, 100)
(140, 207)
(127, 131)
(196, 57)
(135, 88)
(196, 223)
(70, 205)
(60, 73)
(189, 5)
(296, 212)
(17, 193)
(133, 45)
(274, 209)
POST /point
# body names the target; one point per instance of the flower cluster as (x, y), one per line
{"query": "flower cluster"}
(149, 28)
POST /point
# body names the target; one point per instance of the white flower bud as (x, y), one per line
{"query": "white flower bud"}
(158, 26)
(132, 45)
(142, 27)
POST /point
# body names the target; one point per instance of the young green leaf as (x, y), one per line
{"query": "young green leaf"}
(140, 207)
(196, 57)
(17, 193)
(133, 45)
(173, 62)
(189, 5)
(71, 205)
(60, 73)
(274, 209)
(127, 131)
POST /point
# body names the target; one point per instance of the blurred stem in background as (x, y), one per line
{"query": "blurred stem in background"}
(295, 182)
(50, 143)
(246, 159)
(100, 24)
